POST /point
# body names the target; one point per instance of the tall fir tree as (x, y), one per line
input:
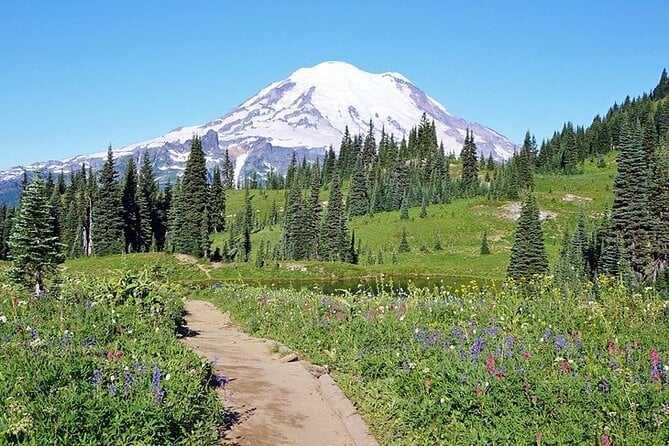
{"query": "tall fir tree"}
(333, 234)
(33, 248)
(132, 224)
(358, 197)
(469, 179)
(149, 212)
(190, 205)
(528, 253)
(217, 201)
(631, 212)
(107, 224)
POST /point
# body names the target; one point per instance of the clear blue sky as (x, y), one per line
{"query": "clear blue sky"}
(77, 75)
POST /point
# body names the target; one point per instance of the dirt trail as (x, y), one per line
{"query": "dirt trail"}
(190, 260)
(271, 402)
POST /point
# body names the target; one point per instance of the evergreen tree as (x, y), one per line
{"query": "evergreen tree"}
(333, 234)
(217, 202)
(469, 179)
(190, 207)
(228, 172)
(294, 241)
(404, 243)
(33, 248)
(423, 208)
(369, 147)
(149, 212)
(107, 226)
(528, 253)
(358, 198)
(132, 226)
(631, 212)
(485, 249)
(404, 208)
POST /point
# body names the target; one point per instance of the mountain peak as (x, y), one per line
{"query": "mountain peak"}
(304, 113)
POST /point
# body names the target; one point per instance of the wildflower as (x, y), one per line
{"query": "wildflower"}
(476, 348)
(560, 343)
(478, 390)
(160, 394)
(604, 386)
(32, 332)
(564, 367)
(547, 335)
(606, 441)
(538, 437)
(112, 389)
(457, 334)
(156, 377)
(490, 363)
(527, 355)
(97, 377)
(3, 319)
(654, 365)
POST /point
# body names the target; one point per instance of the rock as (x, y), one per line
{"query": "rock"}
(292, 357)
(317, 370)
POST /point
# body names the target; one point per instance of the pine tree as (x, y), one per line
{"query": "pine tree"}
(217, 202)
(190, 207)
(132, 226)
(631, 212)
(404, 208)
(333, 233)
(485, 249)
(528, 253)
(33, 248)
(358, 198)
(149, 212)
(294, 222)
(469, 179)
(107, 226)
(404, 243)
(369, 147)
(423, 208)
(228, 172)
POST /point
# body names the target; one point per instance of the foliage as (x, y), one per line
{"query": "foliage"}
(33, 247)
(101, 365)
(483, 366)
(528, 253)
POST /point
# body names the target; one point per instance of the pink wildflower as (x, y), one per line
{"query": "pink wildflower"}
(564, 367)
(606, 441)
(527, 355)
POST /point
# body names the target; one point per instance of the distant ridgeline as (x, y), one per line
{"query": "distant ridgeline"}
(566, 149)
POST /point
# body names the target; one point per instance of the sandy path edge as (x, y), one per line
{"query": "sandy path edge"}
(271, 402)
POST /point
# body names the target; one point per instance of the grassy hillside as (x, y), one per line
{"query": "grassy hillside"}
(459, 225)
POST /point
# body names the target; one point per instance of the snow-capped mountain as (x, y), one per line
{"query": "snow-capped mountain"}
(306, 113)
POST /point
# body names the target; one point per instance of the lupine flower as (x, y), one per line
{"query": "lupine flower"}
(476, 348)
(97, 377)
(156, 377)
(560, 343)
(604, 386)
(32, 332)
(160, 394)
(457, 334)
(547, 335)
(112, 389)
(127, 381)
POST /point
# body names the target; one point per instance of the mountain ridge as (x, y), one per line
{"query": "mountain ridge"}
(306, 113)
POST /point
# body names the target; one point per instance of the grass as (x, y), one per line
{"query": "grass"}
(515, 365)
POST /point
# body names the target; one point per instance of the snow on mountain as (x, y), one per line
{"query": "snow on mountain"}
(306, 113)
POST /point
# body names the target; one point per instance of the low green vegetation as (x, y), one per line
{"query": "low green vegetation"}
(524, 364)
(98, 363)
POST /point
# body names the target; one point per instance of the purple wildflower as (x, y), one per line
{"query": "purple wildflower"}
(560, 343)
(604, 386)
(547, 334)
(160, 394)
(491, 331)
(457, 334)
(476, 348)
(127, 382)
(112, 389)
(156, 377)
(32, 332)
(97, 377)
